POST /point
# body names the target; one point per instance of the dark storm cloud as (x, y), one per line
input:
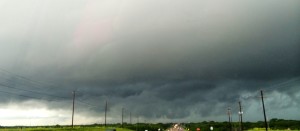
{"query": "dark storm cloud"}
(174, 62)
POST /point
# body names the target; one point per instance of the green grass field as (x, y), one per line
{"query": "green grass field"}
(63, 129)
(95, 129)
(263, 129)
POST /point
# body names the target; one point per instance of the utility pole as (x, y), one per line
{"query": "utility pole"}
(263, 104)
(229, 118)
(241, 116)
(137, 123)
(130, 118)
(122, 116)
(105, 114)
(73, 108)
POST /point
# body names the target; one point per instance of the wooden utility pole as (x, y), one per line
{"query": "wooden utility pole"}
(130, 118)
(105, 113)
(137, 123)
(241, 116)
(73, 108)
(263, 104)
(229, 118)
(122, 116)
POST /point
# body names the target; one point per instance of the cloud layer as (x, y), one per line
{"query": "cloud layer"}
(161, 60)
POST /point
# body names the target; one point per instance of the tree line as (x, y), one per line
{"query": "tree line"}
(274, 124)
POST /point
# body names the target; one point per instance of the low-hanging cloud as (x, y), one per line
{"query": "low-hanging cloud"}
(163, 60)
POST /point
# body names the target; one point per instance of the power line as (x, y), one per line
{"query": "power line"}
(7, 86)
(83, 101)
(38, 83)
(27, 96)
(41, 93)
(23, 77)
(34, 83)
(20, 95)
(285, 84)
(86, 103)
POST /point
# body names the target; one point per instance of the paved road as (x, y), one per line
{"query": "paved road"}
(176, 127)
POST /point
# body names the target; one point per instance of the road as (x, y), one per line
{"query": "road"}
(176, 127)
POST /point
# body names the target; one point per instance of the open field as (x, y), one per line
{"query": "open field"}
(62, 129)
(95, 129)
(275, 125)
(263, 129)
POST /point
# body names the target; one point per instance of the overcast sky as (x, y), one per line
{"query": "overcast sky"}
(161, 60)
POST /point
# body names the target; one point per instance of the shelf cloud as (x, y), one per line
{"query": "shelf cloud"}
(164, 61)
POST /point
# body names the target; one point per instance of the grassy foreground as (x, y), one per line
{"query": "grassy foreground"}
(95, 129)
(263, 129)
(63, 129)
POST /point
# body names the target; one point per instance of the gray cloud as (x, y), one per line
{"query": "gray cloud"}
(162, 60)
